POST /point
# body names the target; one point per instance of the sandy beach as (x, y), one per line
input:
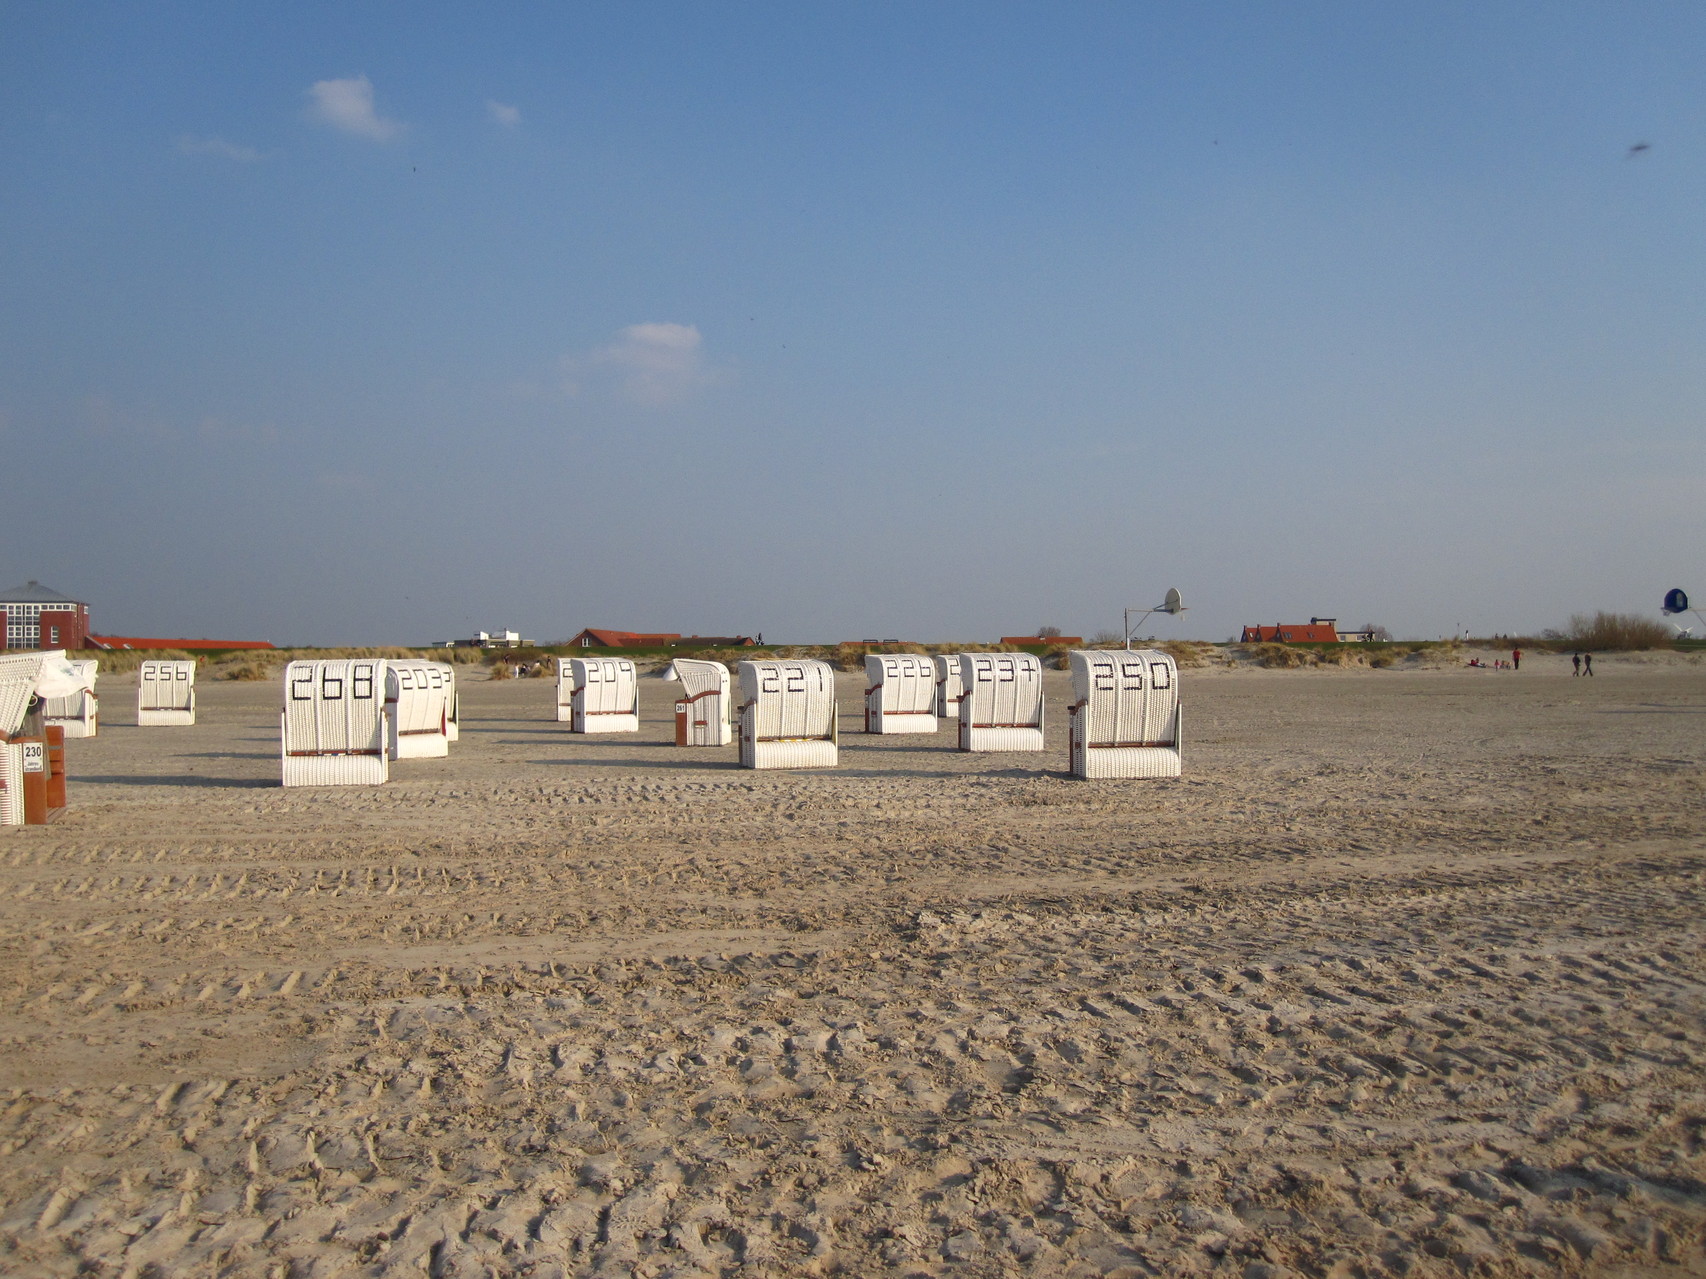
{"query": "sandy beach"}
(1406, 977)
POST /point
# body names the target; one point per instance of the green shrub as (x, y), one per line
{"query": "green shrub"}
(1613, 632)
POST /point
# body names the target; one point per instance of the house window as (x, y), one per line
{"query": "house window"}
(23, 626)
(53, 637)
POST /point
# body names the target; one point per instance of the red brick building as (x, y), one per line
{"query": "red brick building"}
(37, 616)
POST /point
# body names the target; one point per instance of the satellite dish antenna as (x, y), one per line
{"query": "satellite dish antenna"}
(1172, 603)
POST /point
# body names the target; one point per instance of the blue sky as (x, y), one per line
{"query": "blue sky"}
(384, 323)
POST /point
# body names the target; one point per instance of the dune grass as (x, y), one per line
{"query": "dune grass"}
(1376, 656)
(121, 661)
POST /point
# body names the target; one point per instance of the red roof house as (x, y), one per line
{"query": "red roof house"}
(1318, 630)
(590, 638)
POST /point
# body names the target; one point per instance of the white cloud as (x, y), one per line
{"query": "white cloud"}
(657, 365)
(191, 145)
(348, 105)
(502, 113)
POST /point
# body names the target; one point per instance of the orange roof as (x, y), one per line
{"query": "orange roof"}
(1297, 633)
(622, 639)
(1033, 640)
(135, 641)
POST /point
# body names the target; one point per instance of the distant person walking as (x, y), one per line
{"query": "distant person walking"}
(1576, 662)
(1516, 659)
(1587, 663)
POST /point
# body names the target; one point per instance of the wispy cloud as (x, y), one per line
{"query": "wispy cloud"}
(192, 145)
(502, 113)
(348, 105)
(656, 365)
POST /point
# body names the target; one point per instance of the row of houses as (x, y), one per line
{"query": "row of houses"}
(33, 616)
(597, 638)
(1318, 630)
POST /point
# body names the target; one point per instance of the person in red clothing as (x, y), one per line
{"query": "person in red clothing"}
(1516, 659)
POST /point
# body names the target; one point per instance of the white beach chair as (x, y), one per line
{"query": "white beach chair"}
(788, 717)
(900, 693)
(948, 686)
(417, 706)
(165, 692)
(334, 729)
(1001, 705)
(1126, 718)
(702, 713)
(77, 712)
(605, 695)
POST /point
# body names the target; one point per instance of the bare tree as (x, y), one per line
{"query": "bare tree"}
(1047, 632)
(1376, 632)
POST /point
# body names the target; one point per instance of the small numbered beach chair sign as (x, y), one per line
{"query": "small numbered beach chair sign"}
(702, 711)
(334, 729)
(1001, 702)
(604, 696)
(788, 715)
(1125, 714)
(417, 704)
(165, 692)
(900, 693)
